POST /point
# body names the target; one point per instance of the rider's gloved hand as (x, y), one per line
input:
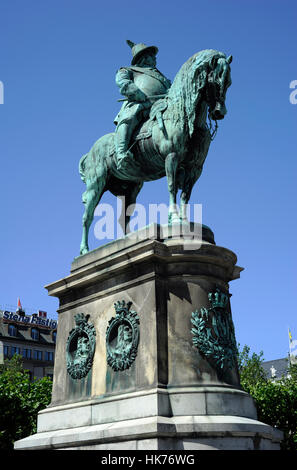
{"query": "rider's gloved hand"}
(140, 96)
(132, 92)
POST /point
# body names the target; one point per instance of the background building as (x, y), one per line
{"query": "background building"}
(33, 337)
(277, 368)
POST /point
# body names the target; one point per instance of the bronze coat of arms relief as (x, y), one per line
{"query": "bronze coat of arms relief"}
(80, 347)
(122, 337)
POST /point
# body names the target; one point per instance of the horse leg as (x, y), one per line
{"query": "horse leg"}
(171, 163)
(130, 195)
(184, 200)
(130, 201)
(187, 187)
(90, 198)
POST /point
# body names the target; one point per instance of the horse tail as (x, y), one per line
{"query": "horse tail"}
(81, 167)
(90, 163)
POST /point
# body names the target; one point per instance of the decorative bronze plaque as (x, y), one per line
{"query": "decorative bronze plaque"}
(80, 347)
(122, 337)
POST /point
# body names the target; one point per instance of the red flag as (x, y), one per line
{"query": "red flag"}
(42, 314)
(19, 304)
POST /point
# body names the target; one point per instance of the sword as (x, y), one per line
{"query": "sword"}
(155, 97)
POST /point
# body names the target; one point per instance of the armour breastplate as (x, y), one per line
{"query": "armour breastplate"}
(150, 83)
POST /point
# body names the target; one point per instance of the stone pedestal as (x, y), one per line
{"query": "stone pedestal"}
(154, 388)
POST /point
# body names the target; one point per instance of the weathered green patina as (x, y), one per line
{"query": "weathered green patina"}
(122, 337)
(213, 332)
(80, 347)
(141, 84)
(173, 141)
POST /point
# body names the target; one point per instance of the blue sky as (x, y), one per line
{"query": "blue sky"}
(58, 62)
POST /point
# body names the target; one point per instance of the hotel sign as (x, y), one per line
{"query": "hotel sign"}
(32, 320)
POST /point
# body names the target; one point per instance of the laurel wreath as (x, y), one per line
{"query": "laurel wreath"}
(213, 335)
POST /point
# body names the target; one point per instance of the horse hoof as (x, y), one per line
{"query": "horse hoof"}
(83, 251)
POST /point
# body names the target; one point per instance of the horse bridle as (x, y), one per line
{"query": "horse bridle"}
(212, 130)
(211, 82)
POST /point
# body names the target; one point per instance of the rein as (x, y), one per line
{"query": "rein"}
(212, 130)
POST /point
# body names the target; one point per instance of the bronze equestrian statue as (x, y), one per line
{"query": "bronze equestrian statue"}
(157, 136)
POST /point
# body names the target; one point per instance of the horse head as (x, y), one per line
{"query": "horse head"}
(204, 78)
(218, 81)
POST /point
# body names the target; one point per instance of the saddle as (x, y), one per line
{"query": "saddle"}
(144, 131)
(156, 113)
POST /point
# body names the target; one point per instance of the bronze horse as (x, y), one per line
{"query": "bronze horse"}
(173, 142)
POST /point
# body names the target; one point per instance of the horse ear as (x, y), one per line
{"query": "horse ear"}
(213, 62)
(229, 59)
(130, 43)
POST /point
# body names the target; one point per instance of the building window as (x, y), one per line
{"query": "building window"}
(38, 355)
(12, 330)
(54, 336)
(27, 353)
(35, 333)
(15, 350)
(49, 356)
(6, 351)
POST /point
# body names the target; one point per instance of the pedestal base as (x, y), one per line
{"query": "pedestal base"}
(160, 433)
(156, 388)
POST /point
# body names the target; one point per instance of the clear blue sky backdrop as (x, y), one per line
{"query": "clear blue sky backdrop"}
(58, 61)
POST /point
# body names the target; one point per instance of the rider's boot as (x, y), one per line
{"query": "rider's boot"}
(122, 139)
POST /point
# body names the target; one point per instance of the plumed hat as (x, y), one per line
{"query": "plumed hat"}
(139, 49)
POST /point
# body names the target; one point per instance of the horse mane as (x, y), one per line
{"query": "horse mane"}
(184, 92)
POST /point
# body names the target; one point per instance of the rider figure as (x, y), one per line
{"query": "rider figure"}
(137, 83)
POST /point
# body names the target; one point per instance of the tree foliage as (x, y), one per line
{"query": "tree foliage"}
(20, 401)
(276, 401)
(250, 368)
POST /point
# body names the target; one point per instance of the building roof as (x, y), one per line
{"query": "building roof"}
(277, 368)
(24, 329)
